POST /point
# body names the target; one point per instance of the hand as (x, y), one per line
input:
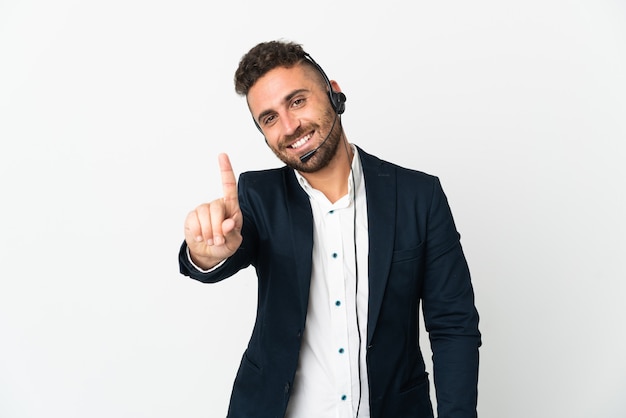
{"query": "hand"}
(213, 230)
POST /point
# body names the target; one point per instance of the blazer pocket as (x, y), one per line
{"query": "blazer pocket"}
(408, 254)
(414, 401)
(251, 364)
(418, 383)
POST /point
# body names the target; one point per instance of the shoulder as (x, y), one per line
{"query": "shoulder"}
(271, 186)
(271, 174)
(265, 179)
(404, 176)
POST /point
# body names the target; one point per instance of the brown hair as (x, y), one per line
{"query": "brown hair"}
(263, 58)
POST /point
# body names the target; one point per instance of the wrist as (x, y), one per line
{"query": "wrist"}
(203, 263)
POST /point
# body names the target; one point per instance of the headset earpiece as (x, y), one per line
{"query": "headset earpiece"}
(338, 101)
(337, 98)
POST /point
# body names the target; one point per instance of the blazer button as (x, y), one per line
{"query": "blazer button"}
(287, 386)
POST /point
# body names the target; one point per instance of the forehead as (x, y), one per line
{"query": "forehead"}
(271, 89)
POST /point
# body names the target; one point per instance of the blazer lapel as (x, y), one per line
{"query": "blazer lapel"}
(380, 189)
(301, 224)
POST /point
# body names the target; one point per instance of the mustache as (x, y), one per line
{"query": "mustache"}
(299, 133)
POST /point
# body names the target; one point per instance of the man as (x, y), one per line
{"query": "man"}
(345, 247)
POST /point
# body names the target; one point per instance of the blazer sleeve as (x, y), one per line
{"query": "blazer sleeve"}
(450, 316)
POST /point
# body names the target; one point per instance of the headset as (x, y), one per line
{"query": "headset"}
(337, 101)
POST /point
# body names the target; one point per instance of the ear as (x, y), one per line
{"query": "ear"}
(335, 86)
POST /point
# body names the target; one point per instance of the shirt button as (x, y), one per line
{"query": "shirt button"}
(338, 303)
(334, 255)
(344, 397)
(331, 212)
(341, 351)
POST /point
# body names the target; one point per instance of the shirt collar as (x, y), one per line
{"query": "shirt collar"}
(356, 172)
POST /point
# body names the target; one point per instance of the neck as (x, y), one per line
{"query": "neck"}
(332, 180)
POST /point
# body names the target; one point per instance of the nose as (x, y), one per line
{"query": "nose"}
(290, 123)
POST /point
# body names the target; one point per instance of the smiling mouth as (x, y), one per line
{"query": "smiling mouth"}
(300, 142)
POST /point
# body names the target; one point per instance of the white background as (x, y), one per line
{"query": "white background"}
(111, 118)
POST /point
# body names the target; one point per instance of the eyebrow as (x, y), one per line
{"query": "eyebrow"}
(286, 99)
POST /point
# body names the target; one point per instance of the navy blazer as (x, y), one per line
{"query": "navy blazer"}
(414, 256)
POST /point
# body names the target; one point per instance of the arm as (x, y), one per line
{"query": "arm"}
(450, 316)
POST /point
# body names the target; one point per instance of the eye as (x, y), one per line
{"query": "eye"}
(269, 120)
(299, 102)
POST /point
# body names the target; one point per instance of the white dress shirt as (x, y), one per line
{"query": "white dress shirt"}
(331, 380)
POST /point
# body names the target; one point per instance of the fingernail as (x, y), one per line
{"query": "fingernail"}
(199, 238)
(218, 240)
(209, 242)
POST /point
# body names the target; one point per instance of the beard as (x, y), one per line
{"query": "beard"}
(324, 154)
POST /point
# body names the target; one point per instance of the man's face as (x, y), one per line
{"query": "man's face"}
(292, 108)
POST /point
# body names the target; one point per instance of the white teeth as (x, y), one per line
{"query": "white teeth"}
(301, 142)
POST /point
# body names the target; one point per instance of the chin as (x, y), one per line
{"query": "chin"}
(318, 161)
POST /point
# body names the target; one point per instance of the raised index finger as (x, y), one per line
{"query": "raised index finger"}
(229, 183)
